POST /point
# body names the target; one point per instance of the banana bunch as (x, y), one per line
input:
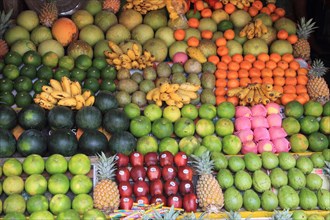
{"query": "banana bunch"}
(197, 54)
(254, 94)
(173, 94)
(143, 6)
(131, 59)
(240, 4)
(176, 8)
(64, 93)
(254, 29)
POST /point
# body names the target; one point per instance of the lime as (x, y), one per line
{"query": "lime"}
(35, 184)
(83, 62)
(108, 72)
(45, 72)
(294, 109)
(212, 143)
(153, 112)
(23, 99)
(291, 125)
(207, 111)
(318, 142)
(29, 71)
(108, 85)
(140, 126)
(204, 127)
(231, 144)
(32, 57)
(169, 144)
(225, 25)
(81, 184)
(37, 203)
(99, 62)
(91, 84)
(61, 72)
(132, 110)
(37, 85)
(14, 58)
(93, 72)
(146, 144)
(326, 109)
(226, 110)
(10, 71)
(325, 125)
(78, 74)
(50, 59)
(299, 143)
(66, 62)
(6, 85)
(7, 98)
(309, 124)
(224, 127)
(189, 111)
(82, 202)
(162, 128)
(58, 184)
(23, 83)
(313, 108)
(12, 167)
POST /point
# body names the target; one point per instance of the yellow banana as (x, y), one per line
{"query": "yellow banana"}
(136, 50)
(170, 102)
(150, 93)
(125, 58)
(65, 82)
(47, 89)
(234, 91)
(78, 85)
(117, 61)
(55, 84)
(111, 55)
(164, 96)
(242, 94)
(147, 54)
(79, 105)
(130, 53)
(135, 65)
(163, 87)
(47, 97)
(173, 87)
(59, 94)
(189, 87)
(115, 48)
(185, 99)
(37, 100)
(175, 96)
(195, 53)
(190, 94)
(156, 95)
(249, 96)
(179, 104)
(80, 98)
(90, 101)
(86, 94)
(46, 105)
(70, 102)
(159, 103)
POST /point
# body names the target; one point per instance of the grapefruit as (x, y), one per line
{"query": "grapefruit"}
(204, 127)
(309, 124)
(79, 164)
(325, 125)
(212, 143)
(153, 112)
(189, 111)
(231, 144)
(36, 184)
(162, 128)
(28, 19)
(37, 203)
(299, 143)
(226, 110)
(80, 184)
(169, 144)
(33, 164)
(146, 144)
(224, 127)
(294, 109)
(184, 127)
(313, 108)
(207, 111)
(188, 144)
(318, 142)
(291, 125)
(171, 113)
(140, 126)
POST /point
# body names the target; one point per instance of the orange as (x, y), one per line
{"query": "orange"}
(265, 10)
(221, 41)
(193, 41)
(257, 4)
(207, 34)
(256, 80)
(233, 66)
(226, 59)
(220, 83)
(302, 80)
(259, 64)
(237, 58)
(279, 81)
(245, 65)
(179, 34)
(289, 89)
(230, 8)
(213, 59)
(220, 91)
(274, 17)
(301, 89)
(254, 72)
(199, 5)
(286, 98)
(288, 57)
(229, 34)
(233, 100)
(244, 81)
(266, 72)
(275, 57)
(283, 64)
(232, 74)
(220, 74)
(302, 71)
(220, 99)
(233, 83)
(193, 22)
(263, 57)
(268, 80)
(253, 11)
(290, 72)
(222, 50)
(206, 13)
(280, 12)
(282, 34)
(243, 73)
(222, 65)
(278, 88)
(292, 38)
(249, 57)
(271, 7)
(278, 71)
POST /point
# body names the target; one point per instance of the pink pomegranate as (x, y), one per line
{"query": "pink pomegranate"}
(274, 120)
(248, 147)
(265, 145)
(281, 145)
(259, 122)
(242, 111)
(245, 135)
(277, 132)
(242, 123)
(259, 110)
(273, 108)
(261, 134)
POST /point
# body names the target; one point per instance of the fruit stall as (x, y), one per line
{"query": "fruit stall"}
(161, 109)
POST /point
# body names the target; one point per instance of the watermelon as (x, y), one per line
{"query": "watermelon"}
(60, 117)
(105, 101)
(92, 141)
(7, 143)
(89, 117)
(8, 117)
(63, 141)
(122, 142)
(32, 116)
(32, 141)
(115, 120)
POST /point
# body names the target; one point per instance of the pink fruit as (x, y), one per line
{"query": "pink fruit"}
(281, 145)
(261, 134)
(273, 108)
(274, 120)
(259, 110)
(248, 147)
(242, 111)
(242, 123)
(259, 122)
(265, 145)
(180, 57)
(245, 135)
(277, 132)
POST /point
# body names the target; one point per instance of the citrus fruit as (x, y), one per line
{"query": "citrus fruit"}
(83, 62)
(326, 109)
(325, 125)
(224, 127)
(207, 111)
(291, 125)
(153, 112)
(200, 150)
(108, 85)
(99, 63)
(13, 185)
(326, 154)
(318, 142)
(162, 128)
(23, 84)
(59, 203)
(146, 144)
(14, 58)
(36, 184)
(44, 214)
(94, 214)
(56, 163)
(6, 85)
(309, 124)
(313, 108)
(61, 72)
(236, 164)
(37, 203)
(32, 57)
(140, 126)
(82, 203)
(93, 72)
(38, 84)
(23, 99)
(220, 161)
(91, 84)
(294, 109)
(10, 71)
(45, 72)
(225, 25)
(169, 144)
(14, 203)
(204, 127)
(172, 113)
(78, 74)
(58, 183)
(189, 111)
(108, 72)
(12, 167)
(66, 62)
(231, 144)
(79, 164)
(7, 98)
(50, 59)
(68, 214)
(226, 110)
(299, 143)
(188, 144)
(81, 184)
(212, 143)
(28, 70)
(132, 110)
(33, 164)
(225, 178)
(14, 216)
(184, 127)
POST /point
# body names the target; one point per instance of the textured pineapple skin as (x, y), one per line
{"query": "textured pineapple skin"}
(48, 14)
(302, 49)
(209, 193)
(112, 5)
(318, 89)
(106, 196)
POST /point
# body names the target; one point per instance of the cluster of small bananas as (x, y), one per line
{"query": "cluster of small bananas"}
(173, 94)
(197, 54)
(143, 6)
(253, 29)
(240, 4)
(131, 59)
(64, 93)
(254, 94)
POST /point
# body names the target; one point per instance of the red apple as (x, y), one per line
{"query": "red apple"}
(186, 187)
(142, 200)
(158, 199)
(171, 187)
(190, 202)
(126, 203)
(136, 159)
(140, 188)
(151, 158)
(175, 201)
(180, 159)
(166, 158)
(169, 172)
(138, 173)
(154, 172)
(122, 174)
(156, 187)
(185, 173)
(125, 189)
(122, 160)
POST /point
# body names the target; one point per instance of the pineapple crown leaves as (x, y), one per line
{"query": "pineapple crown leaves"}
(171, 214)
(305, 28)
(203, 164)
(105, 166)
(4, 21)
(192, 216)
(282, 215)
(235, 216)
(318, 69)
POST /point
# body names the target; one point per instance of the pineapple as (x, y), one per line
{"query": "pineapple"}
(48, 13)
(282, 215)
(192, 216)
(302, 48)
(4, 23)
(171, 214)
(106, 193)
(209, 192)
(111, 5)
(234, 215)
(317, 87)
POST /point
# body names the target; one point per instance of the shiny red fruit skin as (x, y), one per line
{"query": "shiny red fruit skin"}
(125, 189)
(174, 200)
(190, 202)
(180, 159)
(140, 188)
(156, 187)
(138, 173)
(171, 187)
(123, 174)
(122, 160)
(142, 200)
(169, 172)
(185, 173)
(158, 199)
(154, 172)
(186, 187)
(136, 159)
(151, 158)
(126, 203)
(166, 158)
